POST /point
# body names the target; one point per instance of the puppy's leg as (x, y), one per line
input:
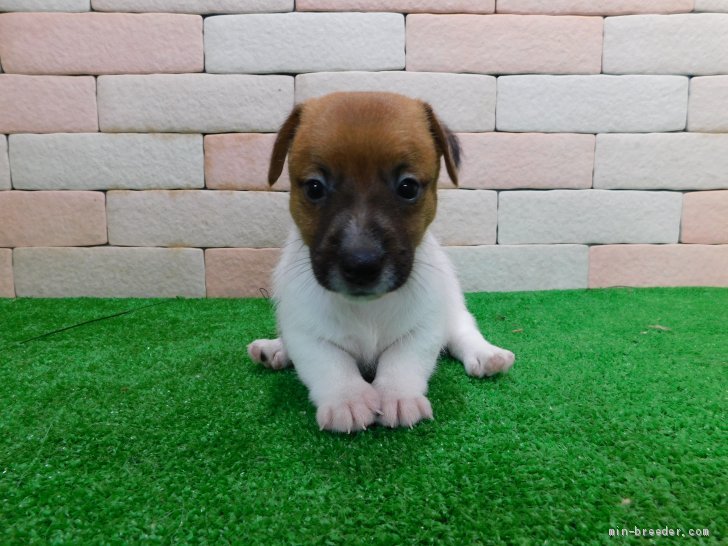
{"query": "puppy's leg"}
(402, 374)
(467, 344)
(270, 353)
(344, 401)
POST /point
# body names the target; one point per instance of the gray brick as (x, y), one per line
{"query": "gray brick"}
(94, 161)
(588, 217)
(109, 272)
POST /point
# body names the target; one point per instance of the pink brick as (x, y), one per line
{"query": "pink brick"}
(52, 218)
(48, 104)
(239, 161)
(594, 7)
(705, 217)
(239, 272)
(658, 265)
(7, 288)
(504, 44)
(403, 6)
(525, 160)
(100, 43)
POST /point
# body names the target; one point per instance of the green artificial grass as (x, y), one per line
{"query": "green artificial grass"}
(154, 427)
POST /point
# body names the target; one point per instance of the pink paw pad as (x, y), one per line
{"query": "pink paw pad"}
(488, 363)
(270, 353)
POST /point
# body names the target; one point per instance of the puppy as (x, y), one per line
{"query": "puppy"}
(366, 298)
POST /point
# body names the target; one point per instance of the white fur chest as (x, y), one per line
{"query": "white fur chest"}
(363, 328)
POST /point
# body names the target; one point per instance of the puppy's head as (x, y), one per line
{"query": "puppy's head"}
(363, 169)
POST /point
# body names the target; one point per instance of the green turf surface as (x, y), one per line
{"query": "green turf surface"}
(154, 426)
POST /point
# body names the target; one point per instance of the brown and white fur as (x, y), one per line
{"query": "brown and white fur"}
(366, 299)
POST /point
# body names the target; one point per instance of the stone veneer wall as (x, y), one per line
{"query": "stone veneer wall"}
(138, 132)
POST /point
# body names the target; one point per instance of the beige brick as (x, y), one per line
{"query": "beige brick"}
(45, 5)
(502, 268)
(313, 42)
(705, 217)
(7, 287)
(93, 161)
(100, 43)
(52, 218)
(591, 104)
(48, 104)
(239, 161)
(109, 272)
(464, 102)
(504, 44)
(404, 6)
(240, 272)
(194, 6)
(525, 160)
(466, 217)
(679, 161)
(658, 265)
(594, 7)
(588, 217)
(692, 43)
(712, 5)
(708, 105)
(4, 164)
(253, 219)
(194, 103)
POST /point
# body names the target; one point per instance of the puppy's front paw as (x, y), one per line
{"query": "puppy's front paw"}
(488, 360)
(270, 353)
(400, 410)
(355, 409)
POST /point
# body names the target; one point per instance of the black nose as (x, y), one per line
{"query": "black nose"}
(361, 265)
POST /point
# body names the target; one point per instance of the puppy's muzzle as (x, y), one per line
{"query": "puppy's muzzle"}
(361, 265)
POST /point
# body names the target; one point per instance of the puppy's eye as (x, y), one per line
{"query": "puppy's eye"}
(408, 188)
(314, 189)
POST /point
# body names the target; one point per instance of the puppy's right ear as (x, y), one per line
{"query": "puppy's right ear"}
(283, 143)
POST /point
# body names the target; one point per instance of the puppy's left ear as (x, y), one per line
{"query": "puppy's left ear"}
(282, 144)
(447, 144)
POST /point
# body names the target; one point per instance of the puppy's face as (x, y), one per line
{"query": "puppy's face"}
(363, 169)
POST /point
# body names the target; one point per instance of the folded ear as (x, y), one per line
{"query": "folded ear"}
(447, 144)
(282, 144)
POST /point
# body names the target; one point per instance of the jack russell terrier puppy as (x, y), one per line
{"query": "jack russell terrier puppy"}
(366, 298)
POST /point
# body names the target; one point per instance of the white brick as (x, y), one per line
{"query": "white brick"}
(502, 268)
(588, 217)
(591, 104)
(95, 161)
(109, 272)
(712, 5)
(194, 6)
(464, 102)
(246, 219)
(4, 164)
(466, 217)
(666, 44)
(708, 105)
(45, 5)
(304, 42)
(680, 161)
(194, 103)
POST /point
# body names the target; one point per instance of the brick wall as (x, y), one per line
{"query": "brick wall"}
(134, 136)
